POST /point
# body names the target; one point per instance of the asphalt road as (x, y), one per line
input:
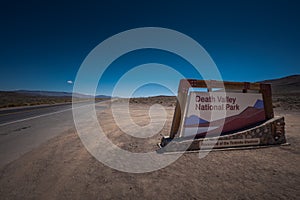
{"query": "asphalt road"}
(23, 129)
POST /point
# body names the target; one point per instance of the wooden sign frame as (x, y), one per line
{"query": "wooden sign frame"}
(244, 87)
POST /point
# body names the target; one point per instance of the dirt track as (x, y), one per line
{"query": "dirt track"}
(63, 169)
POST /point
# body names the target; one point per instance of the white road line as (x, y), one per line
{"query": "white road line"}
(38, 116)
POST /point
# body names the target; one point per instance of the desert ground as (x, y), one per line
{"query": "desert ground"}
(62, 168)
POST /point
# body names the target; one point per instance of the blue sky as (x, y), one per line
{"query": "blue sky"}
(44, 43)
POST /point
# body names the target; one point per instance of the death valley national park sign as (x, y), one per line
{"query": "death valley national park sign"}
(207, 111)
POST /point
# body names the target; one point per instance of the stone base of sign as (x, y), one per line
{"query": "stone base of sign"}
(271, 132)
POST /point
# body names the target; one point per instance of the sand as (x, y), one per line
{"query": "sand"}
(63, 169)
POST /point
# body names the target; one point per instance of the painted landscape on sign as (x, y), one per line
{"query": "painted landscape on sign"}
(251, 115)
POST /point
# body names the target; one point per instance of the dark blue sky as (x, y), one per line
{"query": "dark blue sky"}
(44, 43)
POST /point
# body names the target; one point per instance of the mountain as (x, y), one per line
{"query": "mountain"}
(285, 85)
(29, 98)
(57, 94)
(44, 93)
(103, 96)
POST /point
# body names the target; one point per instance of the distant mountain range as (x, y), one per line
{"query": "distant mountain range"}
(31, 98)
(288, 84)
(57, 94)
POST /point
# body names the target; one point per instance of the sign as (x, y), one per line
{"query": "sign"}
(207, 111)
(229, 143)
(216, 119)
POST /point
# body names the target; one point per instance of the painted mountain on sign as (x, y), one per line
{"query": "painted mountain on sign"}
(259, 104)
(193, 119)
